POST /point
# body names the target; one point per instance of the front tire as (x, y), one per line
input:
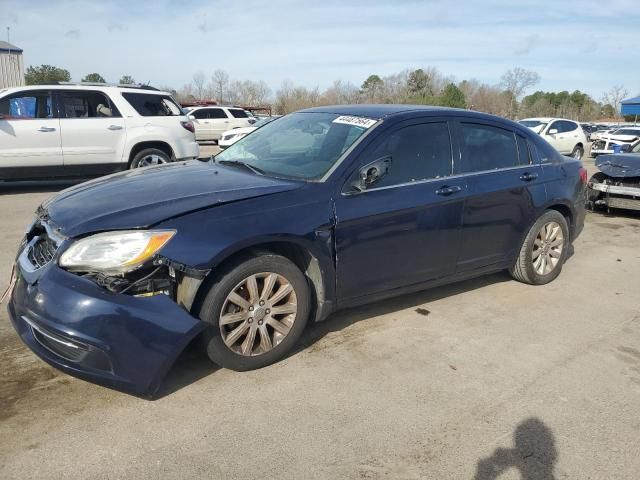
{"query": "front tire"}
(257, 312)
(543, 251)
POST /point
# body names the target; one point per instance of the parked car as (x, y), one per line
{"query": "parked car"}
(230, 137)
(603, 130)
(82, 130)
(622, 136)
(566, 136)
(211, 121)
(617, 184)
(588, 129)
(116, 276)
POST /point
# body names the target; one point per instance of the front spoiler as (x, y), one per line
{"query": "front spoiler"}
(127, 343)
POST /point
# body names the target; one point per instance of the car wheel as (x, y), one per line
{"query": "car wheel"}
(149, 157)
(543, 251)
(257, 312)
(578, 152)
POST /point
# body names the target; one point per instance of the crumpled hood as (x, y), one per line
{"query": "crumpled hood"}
(619, 164)
(145, 196)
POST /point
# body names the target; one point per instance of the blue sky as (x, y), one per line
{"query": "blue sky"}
(589, 45)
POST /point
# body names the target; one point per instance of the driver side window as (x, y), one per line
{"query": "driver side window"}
(417, 152)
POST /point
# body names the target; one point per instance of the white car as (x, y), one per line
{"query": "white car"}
(564, 135)
(81, 130)
(211, 121)
(622, 136)
(230, 137)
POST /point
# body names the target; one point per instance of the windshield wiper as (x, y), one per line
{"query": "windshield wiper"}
(246, 165)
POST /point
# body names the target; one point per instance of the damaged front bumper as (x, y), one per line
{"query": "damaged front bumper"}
(616, 196)
(120, 341)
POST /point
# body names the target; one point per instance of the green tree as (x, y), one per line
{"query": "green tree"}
(127, 80)
(452, 96)
(46, 74)
(372, 88)
(94, 78)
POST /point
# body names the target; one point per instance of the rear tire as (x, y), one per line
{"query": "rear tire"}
(245, 330)
(149, 157)
(543, 251)
(578, 152)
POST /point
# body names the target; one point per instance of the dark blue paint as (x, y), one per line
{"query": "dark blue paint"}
(368, 246)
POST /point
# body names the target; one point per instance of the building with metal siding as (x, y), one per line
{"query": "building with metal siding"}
(11, 66)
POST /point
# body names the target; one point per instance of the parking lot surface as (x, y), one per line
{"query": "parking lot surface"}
(478, 379)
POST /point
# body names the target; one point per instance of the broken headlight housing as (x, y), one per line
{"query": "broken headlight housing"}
(114, 252)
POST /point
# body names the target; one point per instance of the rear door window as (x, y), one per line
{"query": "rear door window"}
(485, 148)
(200, 114)
(151, 105)
(86, 104)
(216, 113)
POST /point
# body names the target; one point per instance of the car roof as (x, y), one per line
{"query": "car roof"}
(377, 111)
(110, 88)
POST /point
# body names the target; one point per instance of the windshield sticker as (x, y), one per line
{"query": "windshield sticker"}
(356, 121)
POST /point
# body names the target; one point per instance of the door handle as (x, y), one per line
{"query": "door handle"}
(46, 129)
(446, 190)
(527, 177)
(115, 127)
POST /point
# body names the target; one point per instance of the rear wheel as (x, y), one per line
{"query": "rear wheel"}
(149, 157)
(578, 152)
(543, 251)
(257, 312)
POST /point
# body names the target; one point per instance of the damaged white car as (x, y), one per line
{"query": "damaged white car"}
(617, 184)
(612, 142)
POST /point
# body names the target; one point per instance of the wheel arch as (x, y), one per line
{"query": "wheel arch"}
(160, 145)
(320, 279)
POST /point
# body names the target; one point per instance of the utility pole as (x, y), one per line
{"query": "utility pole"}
(8, 34)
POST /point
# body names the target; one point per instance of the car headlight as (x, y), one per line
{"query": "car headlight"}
(115, 252)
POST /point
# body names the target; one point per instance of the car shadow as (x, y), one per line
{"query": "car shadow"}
(534, 454)
(345, 318)
(45, 186)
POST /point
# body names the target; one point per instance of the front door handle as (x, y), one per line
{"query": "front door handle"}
(46, 129)
(446, 190)
(115, 127)
(527, 177)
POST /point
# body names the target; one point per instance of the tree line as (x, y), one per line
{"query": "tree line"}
(422, 86)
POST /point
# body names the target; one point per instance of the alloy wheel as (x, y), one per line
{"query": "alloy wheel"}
(547, 248)
(258, 314)
(150, 160)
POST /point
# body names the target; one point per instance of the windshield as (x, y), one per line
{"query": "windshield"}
(627, 131)
(532, 123)
(300, 145)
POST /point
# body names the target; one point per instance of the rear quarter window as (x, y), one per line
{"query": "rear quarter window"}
(150, 105)
(485, 148)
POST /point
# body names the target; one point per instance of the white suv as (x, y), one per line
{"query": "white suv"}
(566, 136)
(83, 130)
(211, 122)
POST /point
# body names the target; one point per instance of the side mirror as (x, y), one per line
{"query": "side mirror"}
(192, 117)
(553, 131)
(371, 173)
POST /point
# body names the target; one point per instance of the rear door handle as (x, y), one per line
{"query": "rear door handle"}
(115, 127)
(527, 177)
(446, 190)
(46, 129)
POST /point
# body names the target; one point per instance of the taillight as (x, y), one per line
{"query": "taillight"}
(189, 126)
(583, 175)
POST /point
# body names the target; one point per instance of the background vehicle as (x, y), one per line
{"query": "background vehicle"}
(82, 130)
(617, 184)
(230, 137)
(361, 203)
(566, 136)
(211, 121)
(621, 136)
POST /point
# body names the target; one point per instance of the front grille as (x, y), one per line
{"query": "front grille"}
(42, 251)
(599, 145)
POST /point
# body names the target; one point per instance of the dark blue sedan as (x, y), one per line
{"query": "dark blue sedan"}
(323, 209)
